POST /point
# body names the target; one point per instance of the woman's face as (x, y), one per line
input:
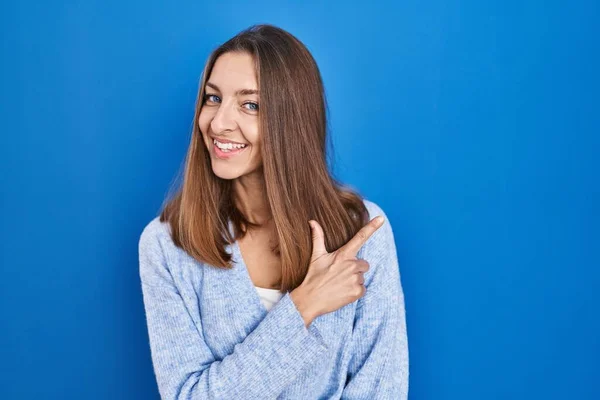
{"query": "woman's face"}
(229, 116)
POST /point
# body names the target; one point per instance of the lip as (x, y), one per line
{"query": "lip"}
(225, 156)
(225, 140)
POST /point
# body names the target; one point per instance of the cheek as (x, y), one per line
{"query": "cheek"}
(251, 132)
(203, 123)
(257, 145)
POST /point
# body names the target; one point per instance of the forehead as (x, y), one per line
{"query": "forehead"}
(233, 71)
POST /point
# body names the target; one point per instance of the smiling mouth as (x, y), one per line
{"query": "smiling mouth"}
(227, 150)
(225, 146)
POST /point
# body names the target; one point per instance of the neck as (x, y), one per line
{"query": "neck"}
(251, 198)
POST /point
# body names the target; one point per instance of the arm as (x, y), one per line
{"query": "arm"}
(261, 366)
(379, 366)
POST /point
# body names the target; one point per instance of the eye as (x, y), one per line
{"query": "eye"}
(212, 98)
(253, 106)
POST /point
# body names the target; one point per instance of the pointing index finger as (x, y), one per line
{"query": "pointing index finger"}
(351, 248)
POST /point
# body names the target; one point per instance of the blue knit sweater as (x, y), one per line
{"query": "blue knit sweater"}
(211, 338)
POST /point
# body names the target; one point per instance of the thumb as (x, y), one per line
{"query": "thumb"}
(318, 239)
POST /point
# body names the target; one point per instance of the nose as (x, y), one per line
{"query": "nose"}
(224, 119)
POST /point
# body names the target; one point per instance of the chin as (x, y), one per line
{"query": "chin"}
(229, 173)
(226, 174)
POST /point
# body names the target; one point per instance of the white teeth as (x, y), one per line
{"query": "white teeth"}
(228, 146)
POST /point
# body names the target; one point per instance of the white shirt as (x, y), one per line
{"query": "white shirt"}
(268, 297)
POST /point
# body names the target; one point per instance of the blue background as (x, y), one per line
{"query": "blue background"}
(474, 125)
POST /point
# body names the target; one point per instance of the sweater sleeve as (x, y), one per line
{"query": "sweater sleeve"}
(379, 365)
(261, 366)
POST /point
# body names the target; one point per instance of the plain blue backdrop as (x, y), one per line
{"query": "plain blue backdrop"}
(474, 125)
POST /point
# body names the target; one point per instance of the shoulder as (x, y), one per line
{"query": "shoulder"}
(382, 280)
(382, 239)
(373, 209)
(154, 233)
(154, 248)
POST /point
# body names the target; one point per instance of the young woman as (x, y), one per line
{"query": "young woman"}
(263, 277)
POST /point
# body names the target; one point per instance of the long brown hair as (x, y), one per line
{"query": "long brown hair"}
(299, 186)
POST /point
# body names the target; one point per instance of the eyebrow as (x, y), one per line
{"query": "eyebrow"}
(242, 92)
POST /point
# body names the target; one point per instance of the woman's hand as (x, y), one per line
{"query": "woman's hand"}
(333, 279)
